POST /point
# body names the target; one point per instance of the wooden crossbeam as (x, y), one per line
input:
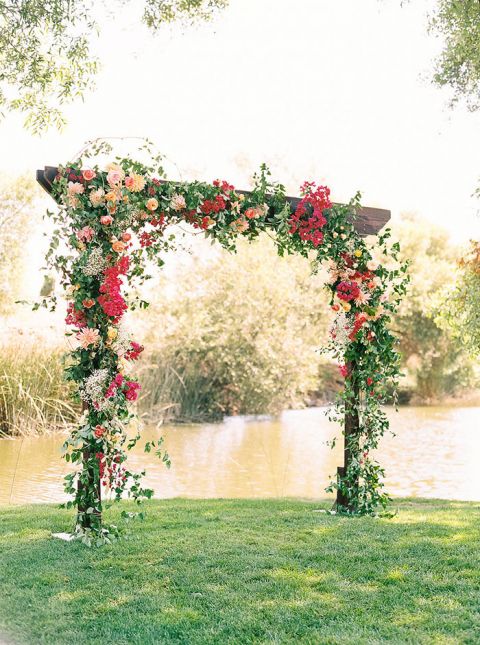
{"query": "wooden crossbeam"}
(369, 220)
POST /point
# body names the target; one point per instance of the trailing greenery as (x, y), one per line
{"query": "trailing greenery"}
(34, 397)
(244, 571)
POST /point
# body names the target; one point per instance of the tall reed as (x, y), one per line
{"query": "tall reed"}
(34, 397)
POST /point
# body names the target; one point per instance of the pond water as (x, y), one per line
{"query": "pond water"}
(435, 453)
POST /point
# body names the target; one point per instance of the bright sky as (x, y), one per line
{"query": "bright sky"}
(331, 90)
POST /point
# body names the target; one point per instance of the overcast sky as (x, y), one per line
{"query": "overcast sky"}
(331, 90)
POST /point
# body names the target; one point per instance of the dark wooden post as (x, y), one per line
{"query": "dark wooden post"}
(351, 437)
(89, 520)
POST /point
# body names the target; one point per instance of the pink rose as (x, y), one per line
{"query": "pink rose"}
(114, 177)
(106, 220)
(88, 174)
(85, 234)
(129, 182)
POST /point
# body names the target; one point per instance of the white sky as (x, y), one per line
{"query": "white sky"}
(331, 90)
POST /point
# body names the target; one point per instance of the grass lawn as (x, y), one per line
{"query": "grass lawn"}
(243, 571)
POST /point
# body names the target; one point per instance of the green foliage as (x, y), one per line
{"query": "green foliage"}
(45, 58)
(238, 335)
(16, 201)
(187, 12)
(436, 363)
(245, 572)
(458, 66)
(459, 310)
(34, 397)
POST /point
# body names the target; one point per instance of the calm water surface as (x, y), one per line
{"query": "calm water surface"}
(436, 453)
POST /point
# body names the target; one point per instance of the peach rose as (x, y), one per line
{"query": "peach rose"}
(99, 431)
(106, 220)
(75, 188)
(73, 201)
(240, 225)
(118, 246)
(152, 204)
(126, 237)
(97, 197)
(88, 174)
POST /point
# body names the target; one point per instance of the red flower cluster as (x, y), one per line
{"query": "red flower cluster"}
(111, 300)
(308, 219)
(113, 387)
(101, 462)
(133, 353)
(116, 474)
(145, 239)
(158, 221)
(343, 370)
(197, 222)
(347, 290)
(360, 320)
(216, 205)
(129, 388)
(224, 185)
(75, 317)
(131, 393)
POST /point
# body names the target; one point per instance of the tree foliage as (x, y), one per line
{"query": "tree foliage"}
(45, 58)
(16, 200)
(238, 335)
(435, 362)
(458, 66)
(460, 309)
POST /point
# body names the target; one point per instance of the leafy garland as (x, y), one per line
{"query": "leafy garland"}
(113, 221)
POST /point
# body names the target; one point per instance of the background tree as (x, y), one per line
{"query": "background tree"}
(235, 334)
(460, 309)
(458, 65)
(435, 361)
(16, 224)
(45, 58)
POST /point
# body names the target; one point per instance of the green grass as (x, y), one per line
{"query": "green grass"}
(243, 571)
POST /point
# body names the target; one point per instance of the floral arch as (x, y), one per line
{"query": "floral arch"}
(112, 221)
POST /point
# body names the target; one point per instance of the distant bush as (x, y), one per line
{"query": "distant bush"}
(435, 362)
(238, 336)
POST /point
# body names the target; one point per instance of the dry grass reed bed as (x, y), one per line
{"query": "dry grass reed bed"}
(34, 397)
